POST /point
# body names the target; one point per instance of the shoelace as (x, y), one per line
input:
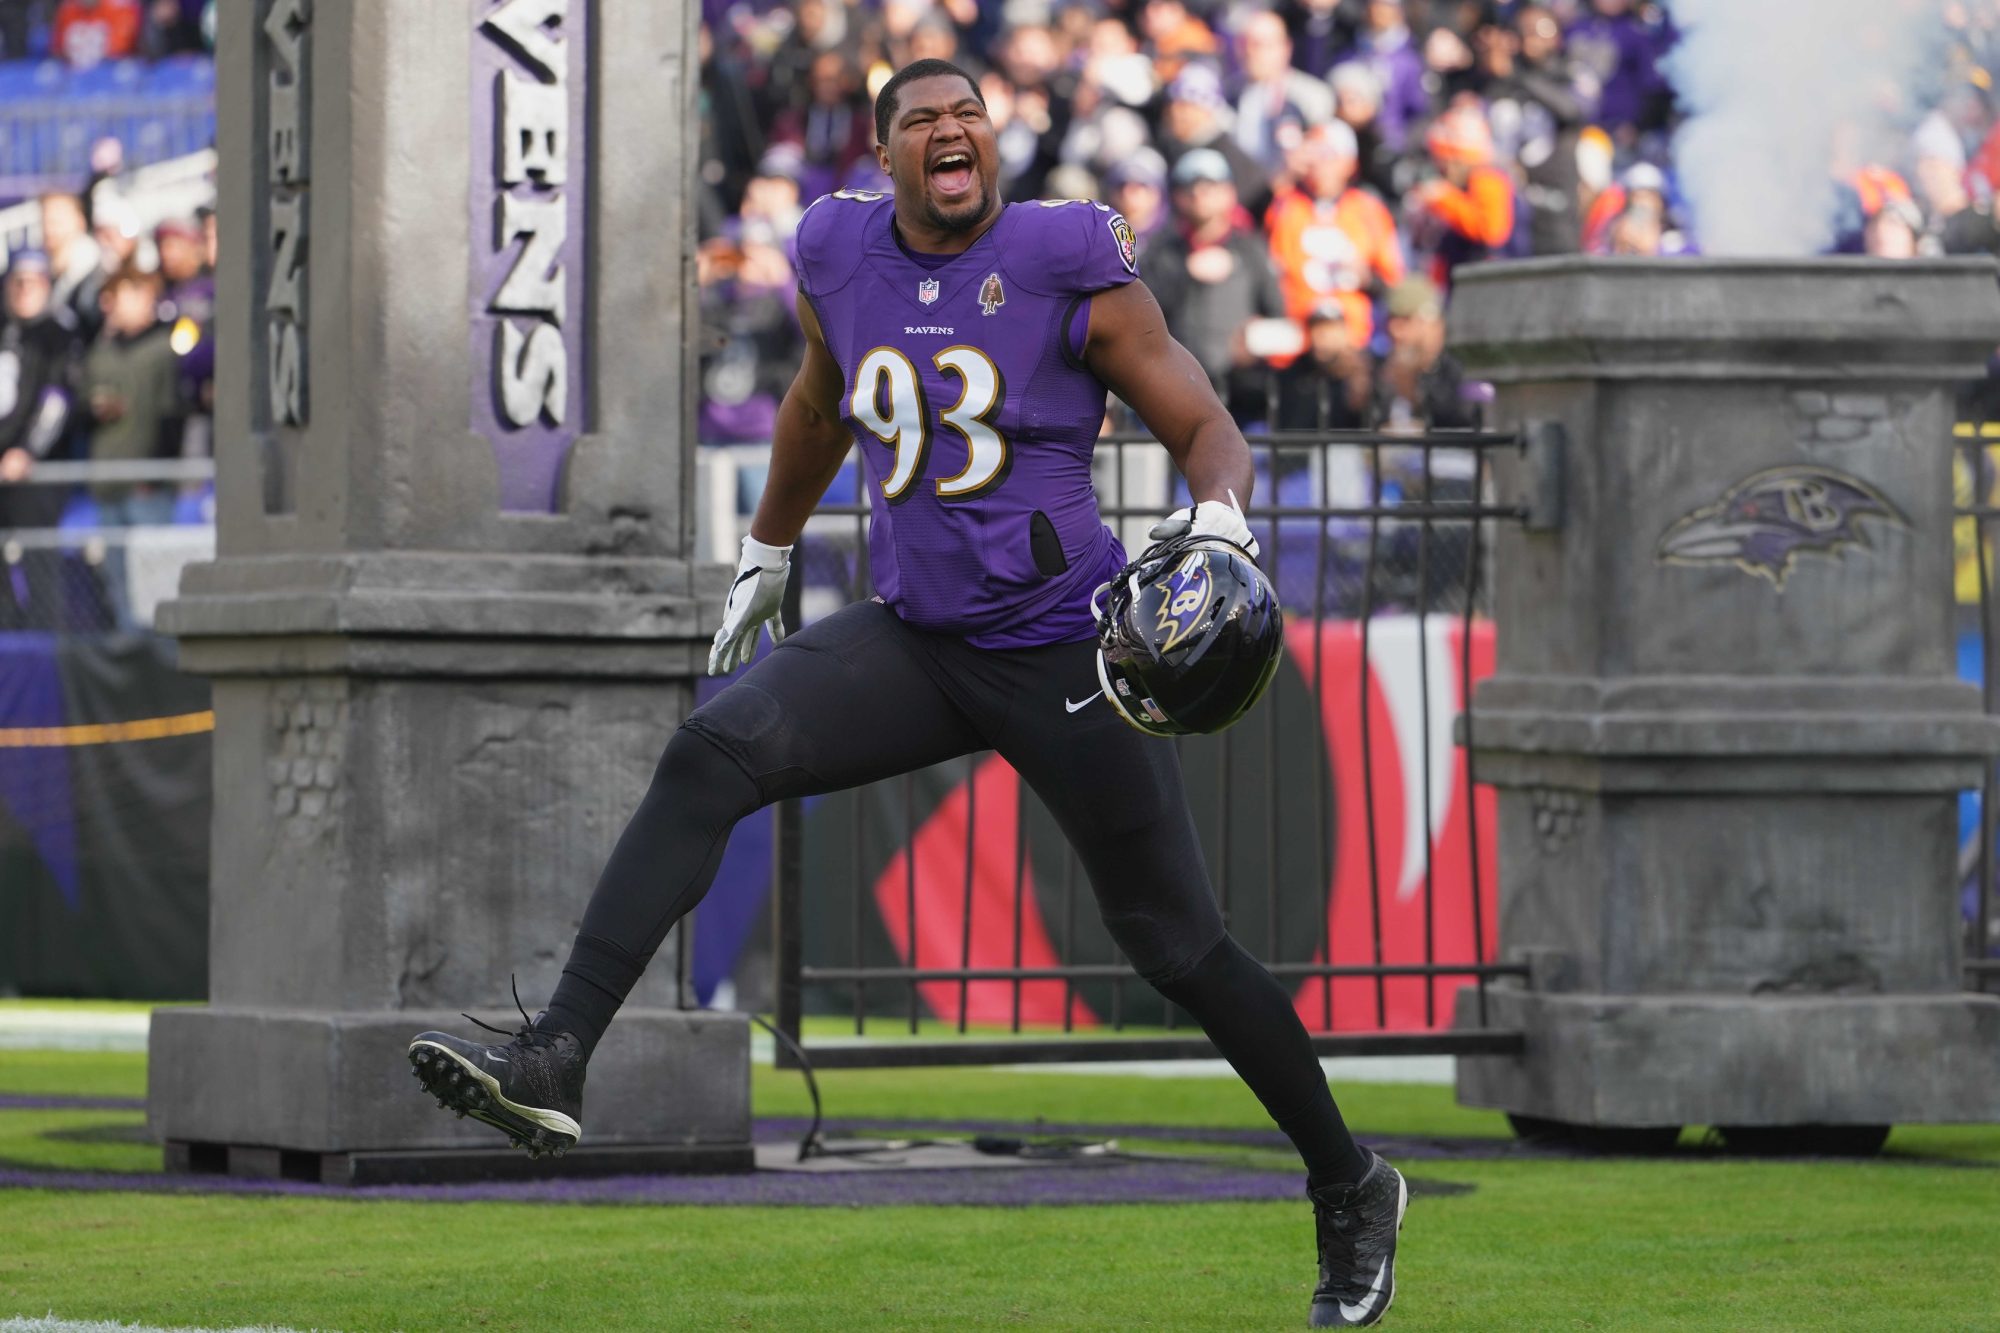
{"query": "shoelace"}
(529, 1035)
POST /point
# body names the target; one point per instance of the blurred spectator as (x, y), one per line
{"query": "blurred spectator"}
(1639, 231)
(66, 239)
(1357, 101)
(1620, 43)
(892, 38)
(1894, 230)
(1040, 95)
(747, 291)
(174, 27)
(132, 391)
(732, 132)
(1420, 385)
(1114, 65)
(1384, 46)
(130, 382)
(115, 230)
(1322, 31)
(818, 27)
(1863, 194)
(834, 127)
(38, 353)
(87, 32)
(1172, 36)
(1137, 187)
(1641, 193)
(189, 286)
(1539, 101)
(1330, 386)
(1467, 211)
(187, 307)
(1277, 102)
(1332, 240)
(1198, 116)
(1213, 278)
(934, 39)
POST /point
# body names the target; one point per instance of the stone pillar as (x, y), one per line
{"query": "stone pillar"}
(1725, 723)
(453, 618)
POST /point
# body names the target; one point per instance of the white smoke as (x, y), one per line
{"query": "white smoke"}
(1782, 96)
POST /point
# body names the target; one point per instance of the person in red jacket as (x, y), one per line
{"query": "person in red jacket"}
(87, 31)
(1467, 212)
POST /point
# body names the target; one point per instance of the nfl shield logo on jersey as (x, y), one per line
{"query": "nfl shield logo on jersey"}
(927, 291)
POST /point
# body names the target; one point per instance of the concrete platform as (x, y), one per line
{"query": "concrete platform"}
(1743, 1060)
(676, 1084)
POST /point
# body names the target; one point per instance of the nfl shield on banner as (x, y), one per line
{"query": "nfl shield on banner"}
(927, 290)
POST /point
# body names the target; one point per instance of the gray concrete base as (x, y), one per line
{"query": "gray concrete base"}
(307, 1082)
(1611, 1060)
(452, 1166)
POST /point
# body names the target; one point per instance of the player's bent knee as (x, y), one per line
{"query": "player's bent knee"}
(697, 773)
(1164, 947)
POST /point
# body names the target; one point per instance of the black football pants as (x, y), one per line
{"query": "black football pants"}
(860, 696)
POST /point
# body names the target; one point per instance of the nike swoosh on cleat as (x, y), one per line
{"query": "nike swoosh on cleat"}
(1074, 707)
(1356, 1313)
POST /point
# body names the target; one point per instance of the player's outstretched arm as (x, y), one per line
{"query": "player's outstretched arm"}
(807, 446)
(808, 442)
(1130, 349)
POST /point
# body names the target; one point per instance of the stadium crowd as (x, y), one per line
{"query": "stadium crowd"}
(1305, 177)
(106, 346)
(82, 33)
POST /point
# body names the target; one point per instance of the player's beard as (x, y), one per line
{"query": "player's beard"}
(969, 215)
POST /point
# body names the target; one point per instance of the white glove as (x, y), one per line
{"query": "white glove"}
(753, 599)
(1210, 518)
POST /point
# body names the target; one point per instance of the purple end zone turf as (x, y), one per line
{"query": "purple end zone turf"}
(1097, 1181)
(1120, 1182)
(10, 1101)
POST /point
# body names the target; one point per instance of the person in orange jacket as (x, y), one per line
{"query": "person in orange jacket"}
(1468, 210)
(1331, 239)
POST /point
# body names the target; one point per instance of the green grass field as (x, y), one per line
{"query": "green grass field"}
(1695, 1242)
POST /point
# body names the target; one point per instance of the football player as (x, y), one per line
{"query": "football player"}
(966, 346)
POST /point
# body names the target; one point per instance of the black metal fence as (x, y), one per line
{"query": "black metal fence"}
(1349, 842)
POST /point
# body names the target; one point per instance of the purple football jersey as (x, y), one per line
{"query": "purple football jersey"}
(976, 418)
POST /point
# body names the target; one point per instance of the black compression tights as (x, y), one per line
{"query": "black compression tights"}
(662, 866)
(666, 860)
(859, 696)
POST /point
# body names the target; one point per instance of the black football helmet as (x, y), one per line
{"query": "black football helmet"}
(1188, 636)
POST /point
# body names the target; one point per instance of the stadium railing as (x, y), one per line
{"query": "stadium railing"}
(1350, 843)
(51, 116)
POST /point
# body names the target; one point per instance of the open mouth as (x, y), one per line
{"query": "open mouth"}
(951, 175)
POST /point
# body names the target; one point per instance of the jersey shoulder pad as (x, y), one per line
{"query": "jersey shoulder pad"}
(1076, 246)
(832, 237)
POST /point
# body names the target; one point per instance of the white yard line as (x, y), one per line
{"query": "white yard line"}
(30, 1029)
(51, 1324)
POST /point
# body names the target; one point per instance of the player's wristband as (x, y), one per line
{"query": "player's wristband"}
(765, 557)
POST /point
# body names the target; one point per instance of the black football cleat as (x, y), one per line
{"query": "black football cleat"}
(530, 1089)
(1357, 1226)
